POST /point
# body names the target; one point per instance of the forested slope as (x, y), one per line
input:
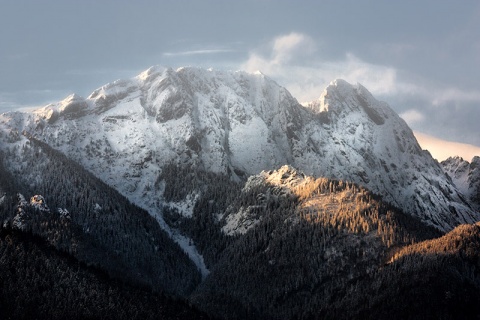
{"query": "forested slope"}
(39, 282)
(285, 246)
(88, 219)
(433, 279)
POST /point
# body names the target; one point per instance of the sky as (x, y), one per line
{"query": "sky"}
(421, 57)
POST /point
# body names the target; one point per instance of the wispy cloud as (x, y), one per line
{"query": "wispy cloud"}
(412, 116)
(294, 61)
(457, 95)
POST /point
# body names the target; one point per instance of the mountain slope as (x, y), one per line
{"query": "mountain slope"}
(466, 177)
(238, 124)
(368, 143)
(39, 282)
(433, 279)
(302, 247)
(77, 213)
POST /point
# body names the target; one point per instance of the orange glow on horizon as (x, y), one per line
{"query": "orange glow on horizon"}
(442, 149)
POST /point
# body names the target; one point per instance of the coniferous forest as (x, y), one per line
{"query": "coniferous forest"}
(297, 248)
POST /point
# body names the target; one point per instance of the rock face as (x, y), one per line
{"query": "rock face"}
(239, 124)
(466, 176)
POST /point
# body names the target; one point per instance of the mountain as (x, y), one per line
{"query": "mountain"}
(296, 244)
(291, 246)
(219, 187)
(466, 176)
(239, 124)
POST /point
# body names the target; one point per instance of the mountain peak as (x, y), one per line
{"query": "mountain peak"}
(340, 85)
(342, 89)
(154, 70)
(466, 176)
(72, 98)
(341, 99)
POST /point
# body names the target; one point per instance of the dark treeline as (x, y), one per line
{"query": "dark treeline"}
(39, 282)
(216, 192)
(433, 279)
(102, 228)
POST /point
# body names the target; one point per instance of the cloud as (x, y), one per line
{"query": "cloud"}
(455, 95)
(379, 79)
(282, 55)
(293, 45)
(412, 116)
(295, 62)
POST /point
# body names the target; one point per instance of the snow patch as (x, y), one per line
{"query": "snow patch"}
(191, 250)
(240, 222)
(187, 244)
(186, 206)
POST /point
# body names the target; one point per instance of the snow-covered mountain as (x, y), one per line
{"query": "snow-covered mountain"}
(239, 124)
(466, 176)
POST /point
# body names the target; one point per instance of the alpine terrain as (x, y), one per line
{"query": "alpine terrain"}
(221, 190)
(466, 176)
